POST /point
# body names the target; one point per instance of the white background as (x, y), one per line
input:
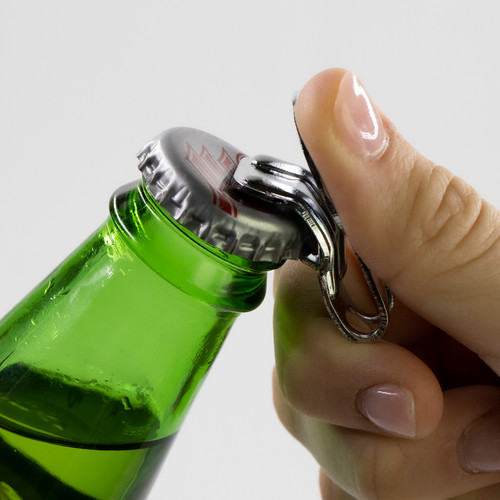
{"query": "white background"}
(84, 84)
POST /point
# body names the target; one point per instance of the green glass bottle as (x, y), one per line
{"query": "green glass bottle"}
(101, 361)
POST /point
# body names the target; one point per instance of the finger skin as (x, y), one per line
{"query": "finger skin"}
(321, 373)
(367, 466)
(330, 491)
(437, 244)
(423, 230)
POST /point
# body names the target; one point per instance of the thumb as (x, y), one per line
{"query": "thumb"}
(418, 227)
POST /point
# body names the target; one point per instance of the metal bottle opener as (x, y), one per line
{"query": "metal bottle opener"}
(301, 191)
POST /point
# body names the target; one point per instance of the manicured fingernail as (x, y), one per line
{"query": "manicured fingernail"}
(389, 407)
(358, 120)
(478, 448)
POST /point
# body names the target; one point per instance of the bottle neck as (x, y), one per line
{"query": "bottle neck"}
(225, 281)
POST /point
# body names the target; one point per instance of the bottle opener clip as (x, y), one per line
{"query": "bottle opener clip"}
(294, 188)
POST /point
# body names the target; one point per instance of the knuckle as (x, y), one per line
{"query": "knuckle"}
(459, 224)
(291, 368)
(304, 379)
(285, 413)
(445, 217)
(452, 207)
(295, 385)
(378, 470)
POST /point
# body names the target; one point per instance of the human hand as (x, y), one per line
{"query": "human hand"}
(417, 414)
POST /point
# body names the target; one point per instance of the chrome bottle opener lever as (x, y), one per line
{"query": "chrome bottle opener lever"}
(294, 189)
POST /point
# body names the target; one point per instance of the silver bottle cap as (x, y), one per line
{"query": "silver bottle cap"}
(189, 173)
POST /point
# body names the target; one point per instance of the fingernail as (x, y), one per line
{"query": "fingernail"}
(478, 448)
(389, 407)
(358, 120)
